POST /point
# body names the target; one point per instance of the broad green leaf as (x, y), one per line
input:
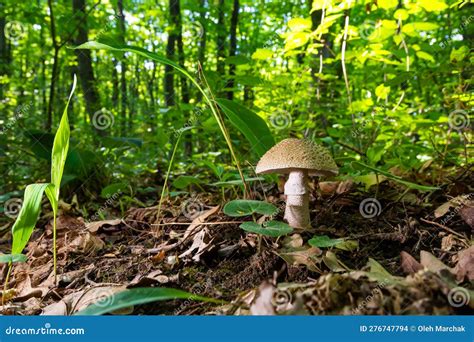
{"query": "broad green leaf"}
(61, 146)
(382, 91)
(413, 29)
(299, 24)
(387, 4)
(270, 228)
(237, 208)
(137, 296)
(458, 55)
(396, 178)
(401, 14)
(26, 220)
(12, 258)
(295, 40)
(432, 5)
(252, 126)
(320, 4)
(262, 54)
(184, 181)
(424, 55)
(323, 241)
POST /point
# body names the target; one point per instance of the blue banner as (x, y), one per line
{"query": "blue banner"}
(242, 329)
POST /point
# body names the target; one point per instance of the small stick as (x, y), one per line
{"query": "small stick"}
(444, 227)
(199, 224)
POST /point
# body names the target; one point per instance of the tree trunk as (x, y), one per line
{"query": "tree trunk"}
(202, 41)
(4, 55)
(234, 21)
(84, 61)
(221, 34)
(170, 53)
(54, 71)
(123, 72)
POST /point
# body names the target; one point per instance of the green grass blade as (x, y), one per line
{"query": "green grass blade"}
(138, 296)
(26, 220)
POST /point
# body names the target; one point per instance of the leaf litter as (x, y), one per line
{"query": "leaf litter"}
(407, 260)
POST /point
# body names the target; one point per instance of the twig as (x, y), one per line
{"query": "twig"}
(200, 224)
(443, 227)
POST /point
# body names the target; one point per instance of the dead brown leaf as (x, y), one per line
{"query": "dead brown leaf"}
(409, 264)
(465, 266)
(95, 226)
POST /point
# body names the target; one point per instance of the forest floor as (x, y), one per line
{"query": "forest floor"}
(414, 257)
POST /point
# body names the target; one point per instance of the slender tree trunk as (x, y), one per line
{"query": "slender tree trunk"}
(4, 59)
(115, 84)
(202, 40)
(84, 61)
(123, 72)
(54, 71)
(170, 53)
(221, 35)
(234, 21)
(188, 146)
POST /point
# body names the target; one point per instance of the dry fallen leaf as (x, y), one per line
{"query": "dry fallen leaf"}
(262, 305)
(465, 265)
(95, 226)
(198, 220)
(409, 263)
(456, 202)
(78, 301)
(432, 263)
(308, 256)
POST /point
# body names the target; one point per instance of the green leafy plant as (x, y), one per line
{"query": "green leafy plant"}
(254, 132)
(324, 241)
(240, 208)
(28, 216)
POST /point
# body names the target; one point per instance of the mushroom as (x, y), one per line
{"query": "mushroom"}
(298, 158)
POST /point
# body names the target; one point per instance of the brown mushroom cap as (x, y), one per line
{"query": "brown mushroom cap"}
(293, 154)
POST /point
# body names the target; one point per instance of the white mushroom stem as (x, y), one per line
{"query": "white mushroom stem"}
(297, 200)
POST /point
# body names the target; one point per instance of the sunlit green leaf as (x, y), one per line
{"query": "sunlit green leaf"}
(270, 228)
(238, 208)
